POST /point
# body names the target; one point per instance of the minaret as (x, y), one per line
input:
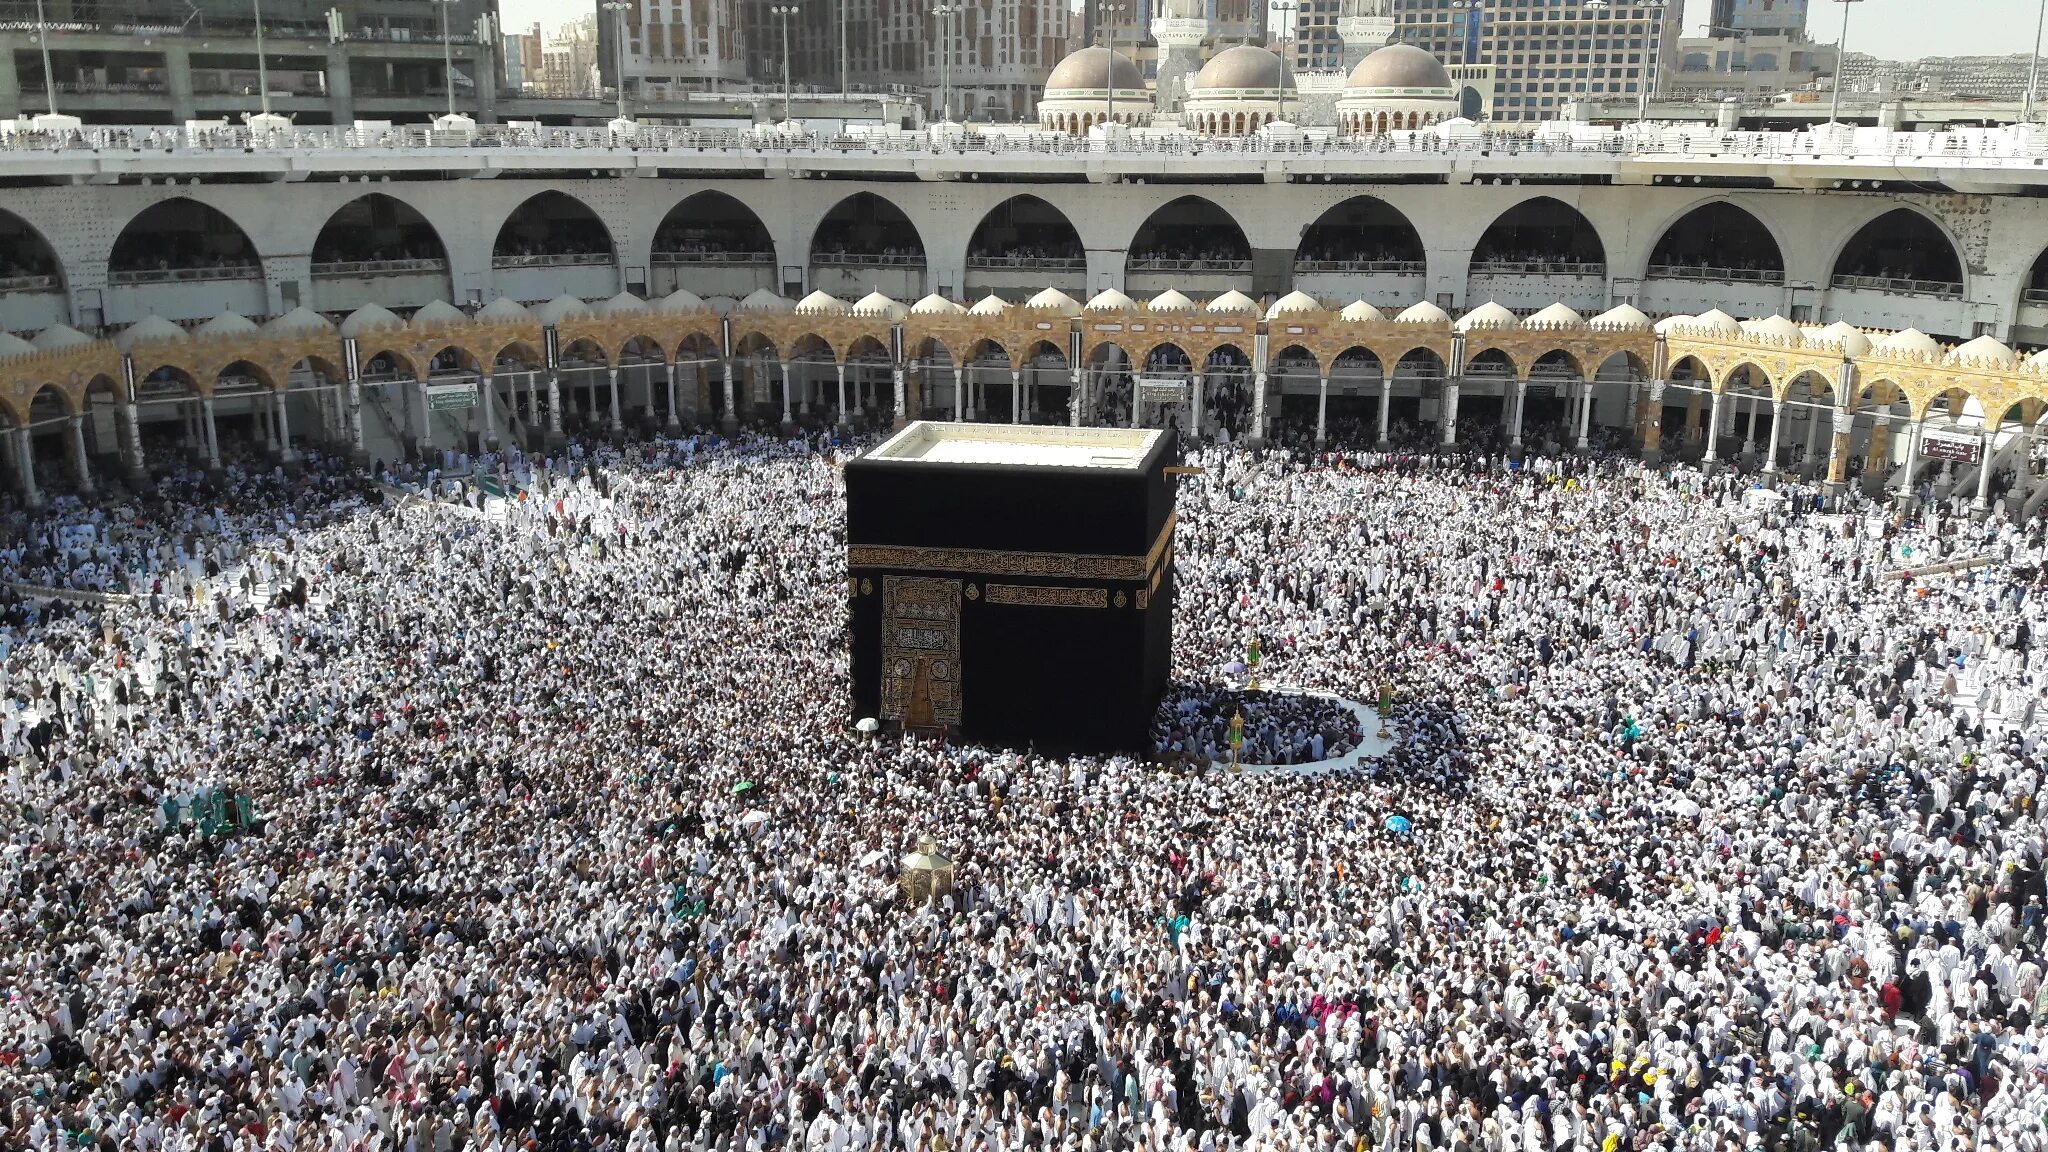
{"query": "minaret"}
(1364, 26)
(1181, 29)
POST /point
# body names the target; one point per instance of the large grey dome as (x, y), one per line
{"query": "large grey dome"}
(1399, 66)
(1085, 71)
(1245, 66)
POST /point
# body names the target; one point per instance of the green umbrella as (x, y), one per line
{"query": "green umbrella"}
(744, 786)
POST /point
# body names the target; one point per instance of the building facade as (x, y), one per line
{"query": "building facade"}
(673, 46)
(1764, 17)
(1752, 64)
(1544, 54)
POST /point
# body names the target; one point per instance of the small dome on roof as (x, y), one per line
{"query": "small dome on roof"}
(1093, 69)
(150, 330)
(1235, 302)
(1054, 300)
(12, 346)
(1775, 327)
(59, 336)
(300, 319)
(822, 303)
(624, 304)
(1621, 316)
(1671, 324)
(503, 309)
(1423, 313)
(990, 305)
(1109, 300)
(1170, 301)
(369, 318)
(2038, 359)
(1558, 315)
(227, 324)
(1842, 335)
(877, 306)
(762, 300)
(936, 305)
(1400, 66)
(1359, 312)
(1293, 303)
(680, 300)
(1245, 66)
(438, 314)
(1715, 321)
(1910, 342)
(1984, 350)
(564, 307)
(1487, 315)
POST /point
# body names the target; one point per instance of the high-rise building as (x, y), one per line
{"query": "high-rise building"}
(169, 61)
(1770, 17)
(1547, 53)
(1334, 35)
(569, 59)
(673, 46)
(522, 58)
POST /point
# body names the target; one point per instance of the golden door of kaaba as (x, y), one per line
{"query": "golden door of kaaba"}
(921, 651)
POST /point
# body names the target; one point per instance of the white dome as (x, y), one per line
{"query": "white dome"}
(936, 305)
(149, 330)
(1246, 66)
(1841, 335)
(874, 305)
(300, 319)
(1911, 343)
(2038, 359)
(1621, 317)
(990, 305)
(369, 318)
(1400, 67)
(678, 301)
(762, 300)
(225, 325)
(564, 307)
(821, 303)
(1984, 350)
(12, 346)
(1293, 303)
(1671, 324)
(1423, 313)
(1169, 301)
(59, 336)
(502, 310)
(624, 304)
(1093, 69)
(438, 313)
(1110, 300)
(1234, 301)
(1487, 315)
(1777, 328)
(1054, 300)
(1714, 321)
(1558, 315)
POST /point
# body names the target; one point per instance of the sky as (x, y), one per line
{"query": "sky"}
(1890, 29)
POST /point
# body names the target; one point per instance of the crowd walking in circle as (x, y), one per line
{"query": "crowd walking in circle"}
(343, 819)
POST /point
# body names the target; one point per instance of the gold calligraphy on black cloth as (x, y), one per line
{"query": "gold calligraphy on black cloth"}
(921, 651)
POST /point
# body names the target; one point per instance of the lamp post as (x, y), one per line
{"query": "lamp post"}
(1286, 10)
(784, 12)
(944, 13)
(618, 10)
(49, 71)
(2033, 66)
(262, 68)
(843, 87)
(447, 57)
(1109, 15)
(1841, 62)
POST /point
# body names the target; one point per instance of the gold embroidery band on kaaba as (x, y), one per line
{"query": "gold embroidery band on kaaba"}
(1040, 596)
(995, 562)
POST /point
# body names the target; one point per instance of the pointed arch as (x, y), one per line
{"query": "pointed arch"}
(1904, 250)
(1026, 232)
(382, 232)
(552, 227)
(179, 239)
(1540, 236)
(28, 263)
(865, 228)
(1362, 234)
(1186, 231)
(712, 227)
(1721, 242)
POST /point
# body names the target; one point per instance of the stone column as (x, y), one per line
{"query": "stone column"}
(1322, 407)
(1518, 400)
(1258, 407)
(787, 418)
(962, 410)
(1693, 402)
(1449, 415)
(1714, 427)
(1585, 411)
(354, 403)
(1749, 404)
(1812, 432)
(1016, 396)
(1877, 454)
(902, 397)
(81, 468)
(732, 412)
(674, 419)
(1838, 447)
(612, 377)
(212, 435)
(554, 404)
(1386, 407)
(1771, 450)
(842, 393)
(284, 426)
(1075, 398)
(1983, 502)
(1653, 424)
(132, 418)
(1200, 383)
(25, 466)
(1913, 429)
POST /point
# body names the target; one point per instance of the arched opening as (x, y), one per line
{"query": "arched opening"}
(1108, 372)
(167, 409)
(1470, 103)
(180, 240)
(757, 367)
(870, 383)
(1417, 406)
(712, 228)
(1540, 237)
(1901, 251)
(1024, 233)
(2036, 291)
(1190, 234)
(1045, 367)
(31, 279)
(377, 235)
(585, 373)
(866, 229)
(1809, 416)
(1296, 376)
(932, 383)
(551, 229)
(1363, 234)
(521, 393)
(987, 381)
(1718, 242)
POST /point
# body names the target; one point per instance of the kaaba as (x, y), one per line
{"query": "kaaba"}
(1012, 584)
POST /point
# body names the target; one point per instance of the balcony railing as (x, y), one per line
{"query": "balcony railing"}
(2034, 296)
(28, 283)
(1028, 263)
(1718, 275)
(333, 269)
(714, 257)
(1174, 264)
(865, 260)
(552, 260)
(1393, 267)
(185, 275)
(1899, 286)
(1536, 268)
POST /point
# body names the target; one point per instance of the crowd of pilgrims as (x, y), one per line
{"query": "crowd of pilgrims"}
(1274, 727)
(1716, 833)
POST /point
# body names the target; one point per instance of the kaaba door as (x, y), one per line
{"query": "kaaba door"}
(921, 651)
